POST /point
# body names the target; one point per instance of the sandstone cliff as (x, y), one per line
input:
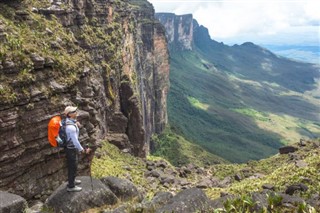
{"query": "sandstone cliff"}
(107, 57)
(179, 29)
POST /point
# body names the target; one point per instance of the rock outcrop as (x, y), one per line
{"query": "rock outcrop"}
(12, 203)
(93, 196)
(107, 57)
(184, 194)
(179, 29)
(189, 200)
(123, 189)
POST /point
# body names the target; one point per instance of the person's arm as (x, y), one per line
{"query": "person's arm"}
(74, 137)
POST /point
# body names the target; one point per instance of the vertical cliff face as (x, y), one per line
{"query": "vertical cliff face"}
(107, 57)
(179, 30)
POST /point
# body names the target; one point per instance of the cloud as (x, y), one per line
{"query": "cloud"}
(258, 20)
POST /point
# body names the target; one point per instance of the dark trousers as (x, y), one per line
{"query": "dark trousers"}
(72, 164)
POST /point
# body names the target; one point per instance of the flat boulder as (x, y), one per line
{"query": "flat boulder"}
(219, 202)
(188, 200)
(12, 203)
(296, 187)
(91, 196)
(287, 149)
(159, 199)
(122, 188)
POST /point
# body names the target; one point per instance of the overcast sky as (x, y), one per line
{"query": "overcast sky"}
(258, 21)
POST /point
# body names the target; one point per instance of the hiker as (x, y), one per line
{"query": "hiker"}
(73, 147)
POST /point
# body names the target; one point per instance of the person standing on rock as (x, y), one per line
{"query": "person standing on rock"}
(73, 147)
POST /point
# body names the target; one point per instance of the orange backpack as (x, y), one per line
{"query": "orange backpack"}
(53, 130)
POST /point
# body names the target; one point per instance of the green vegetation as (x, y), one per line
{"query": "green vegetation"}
(45, 37)
(244, 204)
(39, 37)
(278, 170)
(254, 114)
(178, 151)
(115, 163)
(205, 119)
(232, 116)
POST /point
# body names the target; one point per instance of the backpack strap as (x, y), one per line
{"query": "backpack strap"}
(68, 122)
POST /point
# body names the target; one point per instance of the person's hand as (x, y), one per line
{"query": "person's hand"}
(87, 150)
(78, 124)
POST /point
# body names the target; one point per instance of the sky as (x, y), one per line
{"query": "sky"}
(264, 22)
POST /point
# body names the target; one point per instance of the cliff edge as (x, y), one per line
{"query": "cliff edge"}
(107, 57)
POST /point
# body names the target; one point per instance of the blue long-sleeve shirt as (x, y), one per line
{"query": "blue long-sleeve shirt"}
(72, 131)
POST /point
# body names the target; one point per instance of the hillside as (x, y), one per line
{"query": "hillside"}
(239, 102)
(179, 151)
(261, 185)
(297, 52)
(286, 182)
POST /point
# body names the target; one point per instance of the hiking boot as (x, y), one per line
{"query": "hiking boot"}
(77, 182)
(74, 189)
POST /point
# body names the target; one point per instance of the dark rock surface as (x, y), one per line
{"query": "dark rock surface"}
(296, 187)
(189, 200)
(122, 188)
(11, 203)
(287, 149)
(75, 202)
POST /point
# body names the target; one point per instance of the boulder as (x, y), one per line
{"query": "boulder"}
(188, 200)
(225, 182)
(12, 203)
(9, 67)
(183, 172)
(122, 188)
(159, 199)
(292, 200)
(38, 61)
(294, 156)
(287, 149)
(35, 207)
(261, 201)
(302, 142)
(161, 164)
(121, 209)
(219, 202)
(74, 202)
(301, 164)
(169, 179)
(155, 173)
(247, 172)
(268, 187)
(238, 177)
(296, 187)
(204, 183)
(150, 163)
(314, 201)
(256, 176)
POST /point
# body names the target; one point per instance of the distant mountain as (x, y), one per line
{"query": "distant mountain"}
(239, 102)
(309, 54)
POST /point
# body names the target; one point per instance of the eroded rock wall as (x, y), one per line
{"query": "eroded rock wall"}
(179, 30)
(115, 70)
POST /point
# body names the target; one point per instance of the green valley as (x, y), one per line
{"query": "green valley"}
(241, 102)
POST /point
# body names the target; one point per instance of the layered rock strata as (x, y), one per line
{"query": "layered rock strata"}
(107, 57)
